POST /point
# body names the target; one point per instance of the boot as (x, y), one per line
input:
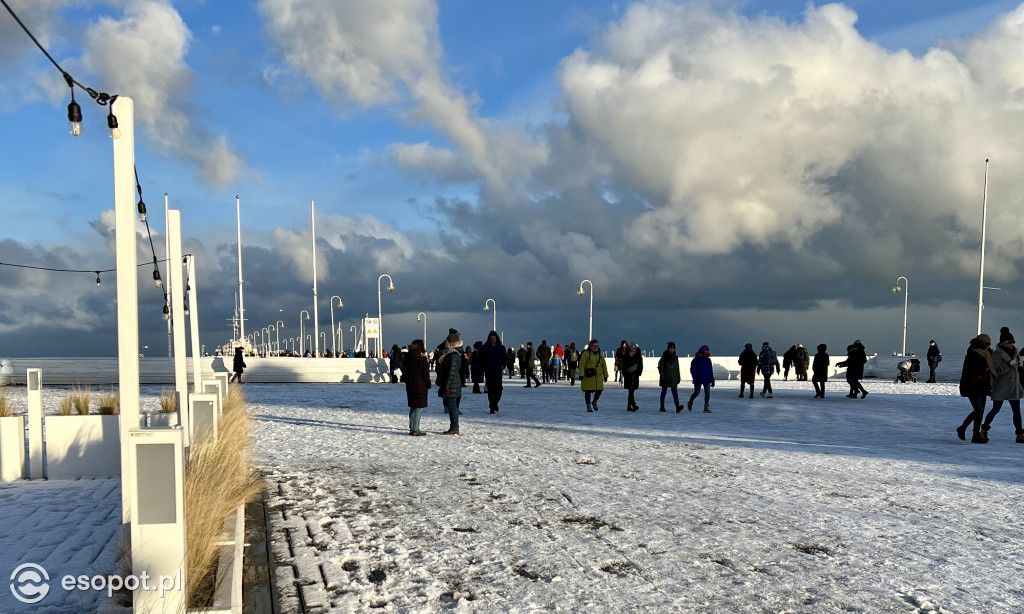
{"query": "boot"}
(751, 394)
(1020, 435)
(476, 388)
(594, 405)
(961, 432)
(689, 406)
(450, 432)
(741, 394)
(707, 410)
(984, 432)
(863, 394)
(679, 408)
(979, 438)
(662, 408)
(590, 408)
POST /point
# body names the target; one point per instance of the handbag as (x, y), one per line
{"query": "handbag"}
(977, 378)
(590, 372)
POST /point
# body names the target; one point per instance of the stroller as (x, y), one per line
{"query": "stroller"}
(908, 371)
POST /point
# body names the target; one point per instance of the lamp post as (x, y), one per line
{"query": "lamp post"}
(422, 317)
(270, 346)
(323, 340)
(590, 333)
(494, 313)
(309, 342)
(255, 347)
(355, 342)
(334, 348)
(266, 340)
(302, 330)
(906, 298)
(277, 335)
(981, 268)
(380, 314)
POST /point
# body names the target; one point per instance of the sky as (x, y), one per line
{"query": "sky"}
(723, 171)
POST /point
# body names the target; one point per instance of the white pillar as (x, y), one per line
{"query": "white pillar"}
(981, 267)
(167, 283)
(241, 296)
(316, 313)
(127, 289)
(178, 316)
(34, 379)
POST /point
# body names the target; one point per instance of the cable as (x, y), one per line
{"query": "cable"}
(43, 268)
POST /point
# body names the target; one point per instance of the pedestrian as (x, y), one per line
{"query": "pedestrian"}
(856, 358)
(703, 375)
(393, 363)
(767, 364)
(787, 361)
(521, 356)
(801, 362)
(572, 362)
(557, 358)
(820, 375)
(491, 357)
(510, 362)
(531, 364)
(976, 384)
(593, 374)
(619, 353)
(416, 375)
(748, 368)
(544, 358)
(632, 366)
(238, 366)
(1006, 385)
(467, 355)
(476, 367)
(668, 376)
(934, 357)
(449, 382)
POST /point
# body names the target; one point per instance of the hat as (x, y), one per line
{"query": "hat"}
(822, 347)
(983, 338)
(633, 345)
(1005, 335)
(573, 344)
(748, 346)
(671, 344)
(764, 344)
(704, 349)
(453, 337)
(452, 331)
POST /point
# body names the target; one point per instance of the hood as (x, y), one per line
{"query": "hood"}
(495, 335)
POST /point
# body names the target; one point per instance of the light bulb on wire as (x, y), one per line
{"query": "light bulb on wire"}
(75, 116)
(167, 313)
(97, 279)
(156, 279)
(115, 133)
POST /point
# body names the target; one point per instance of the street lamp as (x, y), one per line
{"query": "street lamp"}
(255, 348)
(422, 317)
(266, 340)
(302, 330)
(323, 340)
(981, 266)
(906, 298)
(309, 342)
(271, 345)
(352, 329)
(277, 335)
(494, 314)
(380, 315)
(590, 333)
(334, 348)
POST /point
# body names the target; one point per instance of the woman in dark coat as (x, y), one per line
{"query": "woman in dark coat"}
(668, 375)
(820, 368)
(416, 375)
(976, 385)
(238, 366)
(631, 366)
(856, 358)
(748, 368)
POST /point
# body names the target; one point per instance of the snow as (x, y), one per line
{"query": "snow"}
(791, 504)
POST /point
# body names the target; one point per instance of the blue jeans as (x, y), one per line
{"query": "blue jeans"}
(675, 395)
(696, 391)
(997, 405)
(451, 406)
(414, 418)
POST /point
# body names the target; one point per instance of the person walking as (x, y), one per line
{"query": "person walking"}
(476, 367)
(632, 366)
(557, 358)
(449, 382)
(801, 362)
(767, 364)
(593, 374)
(1006, 385)
(531, 364)
(416, 375)
(572, 361)
(238, 366)
(976, 384)
(703, 375)
(393, 363)
(787, 361)
(510, 362)
(934, 357)
(521, 357)
(619, 353)
(856, 358)
(544, 358)
(668, 376)
(492, 360)
(748, 368)
(820, 368)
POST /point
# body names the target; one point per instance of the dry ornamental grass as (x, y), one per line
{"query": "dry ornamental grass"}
(109, 403)
(168, 401)
(80, 399)
(6, 406)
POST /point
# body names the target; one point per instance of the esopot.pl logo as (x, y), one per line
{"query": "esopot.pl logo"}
(29, 583)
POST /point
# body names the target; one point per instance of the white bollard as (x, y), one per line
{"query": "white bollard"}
(213, 386)
(223, 378)
(205, 412)
(157, 495)
(34, 379)
(12, 448)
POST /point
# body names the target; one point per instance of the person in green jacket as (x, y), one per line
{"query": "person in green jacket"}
(593, 374)
(668, 370)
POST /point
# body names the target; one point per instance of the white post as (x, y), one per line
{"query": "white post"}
(981, 271)
(178, 316)
(193, 319)
(334, 347)
(590, 330)
(316, 313)
(127, 291)
(168, 283)
(157, 492)
(241, 297)
(34, 379)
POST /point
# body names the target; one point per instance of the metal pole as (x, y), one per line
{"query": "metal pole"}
(355, 341)
(906, 299)
(167, 254)
(380, 314)
(981, 270)
(178, 315)
(590, 331)
(127, 293)
(193, 320)
(241, 296)
(334, 347)
(316, 313)
(277, 335)
(494, 315)
(424, 327)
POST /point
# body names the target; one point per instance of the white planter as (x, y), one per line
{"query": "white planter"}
(78, 446)
(163, 420)
(12, 448)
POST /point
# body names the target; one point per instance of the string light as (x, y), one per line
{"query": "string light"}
(74, 111)
(97, 279)
(167, 313)
(115, 133)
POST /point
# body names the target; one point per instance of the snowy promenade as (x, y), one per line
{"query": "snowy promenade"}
(788, 504)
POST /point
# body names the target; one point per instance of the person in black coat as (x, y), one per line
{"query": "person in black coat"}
(510, 362)
(238, 366)
(976, 385)
(416, 375)
(476, 368)
(491, 357)
(748, 368)
(632, 366)
(820, 371)
(934, 357)
(544, 358)
(856, 358)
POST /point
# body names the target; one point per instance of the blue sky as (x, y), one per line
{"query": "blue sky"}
(522, 82)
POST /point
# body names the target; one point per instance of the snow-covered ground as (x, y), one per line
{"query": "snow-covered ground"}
(791, 504)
